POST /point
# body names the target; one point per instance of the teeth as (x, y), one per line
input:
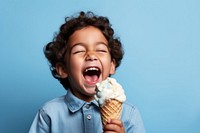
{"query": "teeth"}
(92, 68)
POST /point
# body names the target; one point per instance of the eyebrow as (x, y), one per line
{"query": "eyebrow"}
(80, 44)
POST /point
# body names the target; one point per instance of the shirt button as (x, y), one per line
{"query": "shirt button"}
(87, 106)
(89, 117)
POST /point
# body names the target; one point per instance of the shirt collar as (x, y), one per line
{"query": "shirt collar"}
(74, 103)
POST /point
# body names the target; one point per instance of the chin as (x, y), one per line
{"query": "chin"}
(91, 92)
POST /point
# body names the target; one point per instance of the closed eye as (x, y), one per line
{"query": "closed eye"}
(80, 51)
(101, 50)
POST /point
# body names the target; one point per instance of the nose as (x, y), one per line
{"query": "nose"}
(91, 56)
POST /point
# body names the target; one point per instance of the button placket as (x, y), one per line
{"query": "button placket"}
(88, 112)
(89, 116)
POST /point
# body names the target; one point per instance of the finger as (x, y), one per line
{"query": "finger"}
(112, 127)
(116, 122)
(109, 132)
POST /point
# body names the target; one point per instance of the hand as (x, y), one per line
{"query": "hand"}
(114, 126)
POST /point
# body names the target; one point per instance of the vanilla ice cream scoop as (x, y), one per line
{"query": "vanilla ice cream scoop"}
(107, 90)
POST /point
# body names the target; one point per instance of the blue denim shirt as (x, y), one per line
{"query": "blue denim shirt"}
(68, 114)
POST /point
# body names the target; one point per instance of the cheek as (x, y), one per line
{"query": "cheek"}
(107, 64)
(75, 64)
(106, 60)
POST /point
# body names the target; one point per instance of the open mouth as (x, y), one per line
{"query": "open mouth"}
(91, 74)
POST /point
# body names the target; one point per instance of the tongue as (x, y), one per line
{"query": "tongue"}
(91, 78)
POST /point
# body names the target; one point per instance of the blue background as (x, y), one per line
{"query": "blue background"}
(160, 71)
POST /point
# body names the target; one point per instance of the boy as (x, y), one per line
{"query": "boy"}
(83, 53)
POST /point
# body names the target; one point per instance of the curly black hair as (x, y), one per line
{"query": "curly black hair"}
(54, 51)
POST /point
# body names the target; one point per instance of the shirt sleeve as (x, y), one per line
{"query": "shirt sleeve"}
(41, 123)
(135, 124)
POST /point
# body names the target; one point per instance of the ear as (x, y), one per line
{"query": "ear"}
(61, 70)
(112, 68)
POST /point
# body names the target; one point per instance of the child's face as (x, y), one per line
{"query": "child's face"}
(88, 61)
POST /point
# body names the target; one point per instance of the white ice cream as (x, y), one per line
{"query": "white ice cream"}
(109, 89)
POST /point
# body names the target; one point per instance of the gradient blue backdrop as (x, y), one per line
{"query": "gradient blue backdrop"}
(160, 71)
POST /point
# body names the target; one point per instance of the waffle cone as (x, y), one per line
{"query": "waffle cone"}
(111, 110)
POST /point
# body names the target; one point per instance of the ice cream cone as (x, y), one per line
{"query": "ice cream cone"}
(111, 110)
(110, 96)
